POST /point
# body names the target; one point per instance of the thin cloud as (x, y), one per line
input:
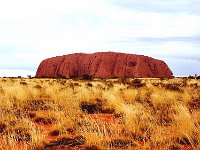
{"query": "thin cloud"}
(189, 39)
(182, 66)
(193, 39)
(194, 59)
(158, 6)
(16, 72)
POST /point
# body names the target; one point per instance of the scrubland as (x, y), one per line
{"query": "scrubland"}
(99, 114)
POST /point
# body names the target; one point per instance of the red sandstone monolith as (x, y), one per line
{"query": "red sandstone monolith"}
(103, 65)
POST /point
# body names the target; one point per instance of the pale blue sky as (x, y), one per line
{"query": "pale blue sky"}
(32, 30)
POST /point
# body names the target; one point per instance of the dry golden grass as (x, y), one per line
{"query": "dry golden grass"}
(99, 114)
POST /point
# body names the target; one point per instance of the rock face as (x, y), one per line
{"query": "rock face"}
(103, 65)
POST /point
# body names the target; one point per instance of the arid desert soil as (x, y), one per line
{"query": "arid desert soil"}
(99, 114)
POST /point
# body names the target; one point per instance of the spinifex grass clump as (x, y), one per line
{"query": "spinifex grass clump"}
(99, 114)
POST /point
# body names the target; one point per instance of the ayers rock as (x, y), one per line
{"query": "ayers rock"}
(103, 65)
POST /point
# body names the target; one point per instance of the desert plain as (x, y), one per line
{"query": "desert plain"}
(99, 114)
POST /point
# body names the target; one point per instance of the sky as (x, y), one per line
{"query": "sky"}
(33, 30)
